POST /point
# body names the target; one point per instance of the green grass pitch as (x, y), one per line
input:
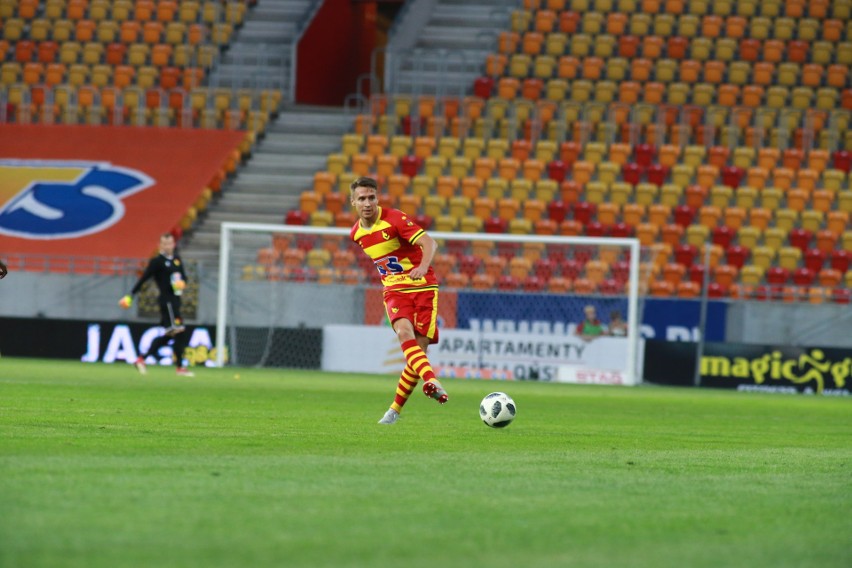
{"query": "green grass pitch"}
(101, 467)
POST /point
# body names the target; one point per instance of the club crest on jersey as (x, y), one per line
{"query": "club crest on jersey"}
(42, 199)
(385, 236)
(394, 310)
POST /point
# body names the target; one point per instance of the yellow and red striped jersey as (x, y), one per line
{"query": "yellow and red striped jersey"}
(392, 244)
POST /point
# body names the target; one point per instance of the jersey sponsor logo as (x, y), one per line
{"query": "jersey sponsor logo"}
(389, 265)
(63, 199)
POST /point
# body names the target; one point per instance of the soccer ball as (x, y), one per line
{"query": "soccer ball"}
(497, 410)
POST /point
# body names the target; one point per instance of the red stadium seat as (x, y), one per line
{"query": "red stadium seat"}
(800, 238)
(557, 170)
(683, 215)
(685, 254)
(814, 259)
(777, 275)
(543, 268)
(595, 229)
(584, 211)
(696, 273)
(621, 230)
(723, 235)
(803, 276)
(557, 210)
(571, 268)
(716, 290)
(296, 217)
(736, 255)
(495, 225)
(506, 282)
(841, 296)
(841, 260)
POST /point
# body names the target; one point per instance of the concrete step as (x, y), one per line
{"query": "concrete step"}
(271, 183)
(250, 80)
(461, 17)
(279, 11)
(296, 145)
(262, 31)
(312, 120)
(246, 202)
(260, 55)
(475, 38)
(284, 163)
(454, 61)
(428, 82)
(220, 217)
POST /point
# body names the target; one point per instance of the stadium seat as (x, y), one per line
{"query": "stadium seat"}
(840, 260)
(661, 288)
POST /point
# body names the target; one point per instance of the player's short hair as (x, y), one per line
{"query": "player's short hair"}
(364, 181)
(167, 236)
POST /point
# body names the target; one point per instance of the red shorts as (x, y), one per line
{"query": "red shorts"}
(420, 308)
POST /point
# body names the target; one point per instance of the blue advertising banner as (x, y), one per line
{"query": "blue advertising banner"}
(672, 320)
(677, 320)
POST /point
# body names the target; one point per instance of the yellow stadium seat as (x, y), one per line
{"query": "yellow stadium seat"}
(812, 220)
(496, 187)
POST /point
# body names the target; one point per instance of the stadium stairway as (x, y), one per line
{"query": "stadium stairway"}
(446, 53)
(296, 145)
(259, 55)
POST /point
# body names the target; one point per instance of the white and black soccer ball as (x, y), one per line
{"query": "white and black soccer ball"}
(497, 410)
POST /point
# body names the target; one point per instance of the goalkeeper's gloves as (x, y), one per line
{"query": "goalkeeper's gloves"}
(178, 283)
(126, 301)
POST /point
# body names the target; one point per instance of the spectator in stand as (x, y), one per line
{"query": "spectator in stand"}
(3, 270)
(617, 326)
(591, 327)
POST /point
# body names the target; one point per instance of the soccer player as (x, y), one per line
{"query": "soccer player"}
(402, 253)
(166, 269)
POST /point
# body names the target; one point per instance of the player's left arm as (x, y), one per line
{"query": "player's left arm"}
(428, 245)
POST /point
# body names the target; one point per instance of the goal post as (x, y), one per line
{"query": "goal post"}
(277, 282)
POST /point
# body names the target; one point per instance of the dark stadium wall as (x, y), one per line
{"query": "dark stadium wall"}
(120, 342)
(334, 51)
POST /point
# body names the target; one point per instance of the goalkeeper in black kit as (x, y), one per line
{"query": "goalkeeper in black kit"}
(167, 271)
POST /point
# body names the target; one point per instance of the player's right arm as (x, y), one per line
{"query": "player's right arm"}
(127, 300)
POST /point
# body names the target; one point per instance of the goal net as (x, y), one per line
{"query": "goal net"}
(510, 306)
